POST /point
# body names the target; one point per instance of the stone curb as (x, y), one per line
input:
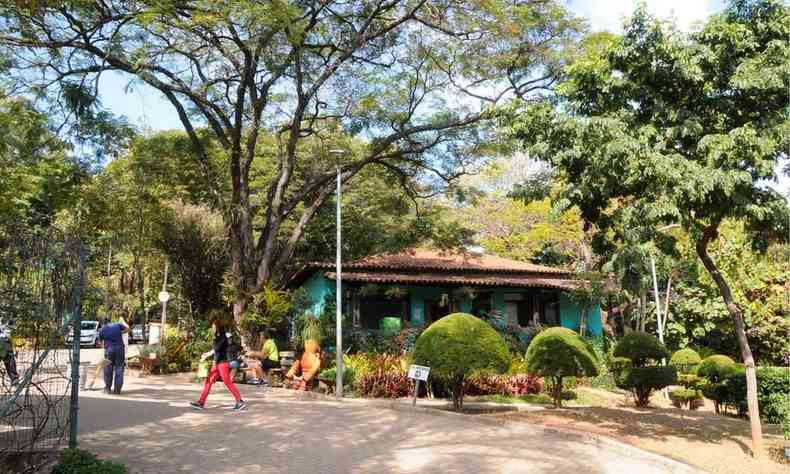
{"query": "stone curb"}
(597, 440)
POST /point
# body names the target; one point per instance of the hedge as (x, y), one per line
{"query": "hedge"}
(773, 386)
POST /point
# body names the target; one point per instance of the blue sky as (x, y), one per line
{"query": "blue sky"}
(147, 108)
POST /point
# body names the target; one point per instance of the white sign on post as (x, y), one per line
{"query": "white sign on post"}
(419, 372)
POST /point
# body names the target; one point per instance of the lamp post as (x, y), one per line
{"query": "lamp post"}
(338, 287)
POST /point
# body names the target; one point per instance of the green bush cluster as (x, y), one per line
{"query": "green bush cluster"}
(558, 352)
(686, 360)
(330, 375)
(690, 396)
(716, 367)
(641, 349)
(77, 461)
(459, 345)
(641, 374)
(773, 389)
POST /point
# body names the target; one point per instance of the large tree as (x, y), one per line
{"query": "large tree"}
(663, 128)
(412, 78)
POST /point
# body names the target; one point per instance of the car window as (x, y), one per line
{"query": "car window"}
(89, 325)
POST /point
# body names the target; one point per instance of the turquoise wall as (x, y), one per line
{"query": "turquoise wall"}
(417, 295)
(318, 287)
(571, 316)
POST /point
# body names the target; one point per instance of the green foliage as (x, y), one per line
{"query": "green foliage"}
(39, 179)
(686, 360)
(716, 367)
(641, 348)
(559, 352)
(77, 461)
(459, 345)
(330, 375)
(773, 389)
(683, 397)
(699, 316)
(269, 310)
(642, 381)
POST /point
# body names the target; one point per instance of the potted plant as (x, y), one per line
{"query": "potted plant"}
(311, 333)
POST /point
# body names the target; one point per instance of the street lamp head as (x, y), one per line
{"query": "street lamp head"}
(337, 152)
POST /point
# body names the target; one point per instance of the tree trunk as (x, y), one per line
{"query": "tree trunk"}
(239, 306)
(746, 353)
(557, 392)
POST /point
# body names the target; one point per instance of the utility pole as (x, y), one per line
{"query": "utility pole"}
(164, 296)
(338, 286)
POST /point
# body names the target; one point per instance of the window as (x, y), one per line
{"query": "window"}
(434, 310)
(373, 309)
(525, 308)
(481, 304)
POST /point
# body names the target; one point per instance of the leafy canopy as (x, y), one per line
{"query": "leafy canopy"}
(658, 127)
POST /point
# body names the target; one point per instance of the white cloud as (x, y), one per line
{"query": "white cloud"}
(609, 14)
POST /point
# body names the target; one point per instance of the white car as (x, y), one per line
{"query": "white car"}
(89, 334)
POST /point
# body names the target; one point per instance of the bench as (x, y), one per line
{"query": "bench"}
(274, 376)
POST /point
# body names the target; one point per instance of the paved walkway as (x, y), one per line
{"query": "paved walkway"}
(151, 428)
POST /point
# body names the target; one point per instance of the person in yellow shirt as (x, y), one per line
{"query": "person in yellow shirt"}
(265, 359)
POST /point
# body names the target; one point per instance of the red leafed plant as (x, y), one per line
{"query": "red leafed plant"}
(520, 384)
(385, 385)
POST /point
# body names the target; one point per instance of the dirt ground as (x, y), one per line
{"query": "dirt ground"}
(716, 443)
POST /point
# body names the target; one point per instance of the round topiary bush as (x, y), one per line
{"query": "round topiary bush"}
(716, 367)
(642, 348)
(643, 375)
(642, 381)
(459, 345)
(686, 360)
(559, 352)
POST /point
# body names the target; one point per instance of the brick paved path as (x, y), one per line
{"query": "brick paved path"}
(151, 429)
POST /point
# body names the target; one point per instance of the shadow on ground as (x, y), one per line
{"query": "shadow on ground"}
(152, 429)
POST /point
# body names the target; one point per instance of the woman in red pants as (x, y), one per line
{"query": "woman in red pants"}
(220, 368)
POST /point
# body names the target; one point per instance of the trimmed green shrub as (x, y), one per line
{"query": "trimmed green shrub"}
(773, 388)
(560, 352)
(715, 367)
(642, 381)
(683, 397)
(642, 348)
(691, 381)
(77, 461)
(686, 360)
(643, 376)
(457, 346)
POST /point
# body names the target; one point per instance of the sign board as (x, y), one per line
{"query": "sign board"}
(419, 372)
(164, 297)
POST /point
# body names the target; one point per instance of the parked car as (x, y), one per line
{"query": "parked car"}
(138, 334)
(89, 334)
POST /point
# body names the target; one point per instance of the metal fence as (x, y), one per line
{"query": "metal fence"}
(41, 284)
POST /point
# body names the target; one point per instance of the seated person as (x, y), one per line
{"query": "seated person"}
(266, 359)
(304, 372)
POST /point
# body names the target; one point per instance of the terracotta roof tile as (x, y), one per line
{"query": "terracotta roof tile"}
(426, 259)
(471, 279)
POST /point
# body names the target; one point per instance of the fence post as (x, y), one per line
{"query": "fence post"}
(75, 357)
